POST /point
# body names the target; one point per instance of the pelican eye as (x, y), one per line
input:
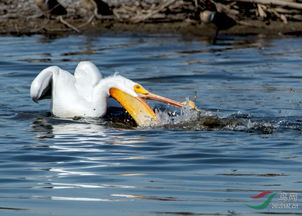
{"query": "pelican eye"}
(139, 89)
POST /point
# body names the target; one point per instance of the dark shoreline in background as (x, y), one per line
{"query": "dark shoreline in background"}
(24, 18)
(18, 27)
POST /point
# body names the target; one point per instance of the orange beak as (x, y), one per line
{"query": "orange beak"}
(151, 96)
(139, 110)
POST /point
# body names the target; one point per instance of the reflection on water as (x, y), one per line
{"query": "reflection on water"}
(246, 141)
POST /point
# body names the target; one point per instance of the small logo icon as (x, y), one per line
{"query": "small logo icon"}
(266, 202)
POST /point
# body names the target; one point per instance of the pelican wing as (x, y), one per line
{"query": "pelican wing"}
(67, 96)
(87, 76)
(41, 86)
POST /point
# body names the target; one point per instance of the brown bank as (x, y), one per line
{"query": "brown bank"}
(196, 17)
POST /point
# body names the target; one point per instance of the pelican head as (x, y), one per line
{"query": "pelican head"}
(132, 96)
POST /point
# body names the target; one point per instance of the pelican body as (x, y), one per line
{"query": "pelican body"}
(85, 94)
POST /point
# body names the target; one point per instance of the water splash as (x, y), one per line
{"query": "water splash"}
(190, 119)
(175, 119)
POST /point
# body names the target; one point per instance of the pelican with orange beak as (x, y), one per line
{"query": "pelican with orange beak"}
(86, 93)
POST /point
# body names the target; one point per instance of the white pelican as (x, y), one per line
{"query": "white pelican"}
(85, 93)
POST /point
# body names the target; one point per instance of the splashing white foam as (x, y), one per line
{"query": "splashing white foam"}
(184, 116)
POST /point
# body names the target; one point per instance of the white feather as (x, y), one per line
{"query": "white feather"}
(83, 94)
